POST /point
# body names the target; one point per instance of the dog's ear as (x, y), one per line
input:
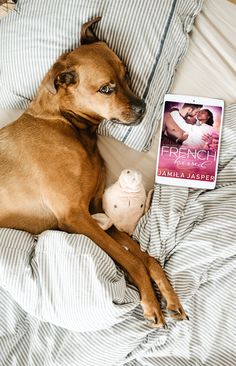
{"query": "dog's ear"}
(60, 77)
(61, 74)
(64, 79)
(87, 34)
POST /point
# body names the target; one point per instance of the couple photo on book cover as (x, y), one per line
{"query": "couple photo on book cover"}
(192, 125)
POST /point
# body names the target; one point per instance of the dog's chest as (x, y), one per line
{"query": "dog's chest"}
(92, 164)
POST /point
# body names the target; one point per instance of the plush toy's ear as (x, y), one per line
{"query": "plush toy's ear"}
(87, 34)
(103, 220)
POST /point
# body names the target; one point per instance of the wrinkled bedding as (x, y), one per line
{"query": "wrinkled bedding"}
(80, 309)
(64, 302)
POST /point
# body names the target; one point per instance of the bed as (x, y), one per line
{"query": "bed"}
(63, 301)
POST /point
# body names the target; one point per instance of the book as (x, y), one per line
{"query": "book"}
(189, 146)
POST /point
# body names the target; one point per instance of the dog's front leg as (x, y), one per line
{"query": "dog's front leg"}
(155, 272)
(83, 223)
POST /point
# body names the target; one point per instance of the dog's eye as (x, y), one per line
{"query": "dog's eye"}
(106, 89)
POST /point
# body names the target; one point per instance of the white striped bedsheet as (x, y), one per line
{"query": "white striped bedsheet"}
(191, 232)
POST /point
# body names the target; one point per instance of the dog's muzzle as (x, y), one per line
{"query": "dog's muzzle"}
(139, 108)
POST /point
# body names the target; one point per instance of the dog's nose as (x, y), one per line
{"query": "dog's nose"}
(139, 108)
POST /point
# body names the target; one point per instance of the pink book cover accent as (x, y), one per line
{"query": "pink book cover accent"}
(189, 145)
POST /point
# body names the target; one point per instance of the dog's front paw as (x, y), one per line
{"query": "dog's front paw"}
(153, 314)
(176, 310)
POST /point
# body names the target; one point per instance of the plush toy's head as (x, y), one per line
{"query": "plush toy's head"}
(124, 202)
(130, 180)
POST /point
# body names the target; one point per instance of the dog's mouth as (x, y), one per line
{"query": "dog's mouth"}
(125, 123)
(132, 117)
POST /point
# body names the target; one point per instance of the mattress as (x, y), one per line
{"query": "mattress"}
(202, 268)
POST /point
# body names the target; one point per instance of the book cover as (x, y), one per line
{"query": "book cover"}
(190, 141)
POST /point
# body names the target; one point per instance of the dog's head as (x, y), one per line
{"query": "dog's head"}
(92, 83)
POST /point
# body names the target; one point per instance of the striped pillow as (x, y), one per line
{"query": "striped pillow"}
(149, 36)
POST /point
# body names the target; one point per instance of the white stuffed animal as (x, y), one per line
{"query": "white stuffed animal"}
(124, 202)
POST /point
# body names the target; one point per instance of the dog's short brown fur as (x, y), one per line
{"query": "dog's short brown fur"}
(51, 173)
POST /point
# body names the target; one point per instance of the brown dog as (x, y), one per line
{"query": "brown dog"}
(51, 173)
